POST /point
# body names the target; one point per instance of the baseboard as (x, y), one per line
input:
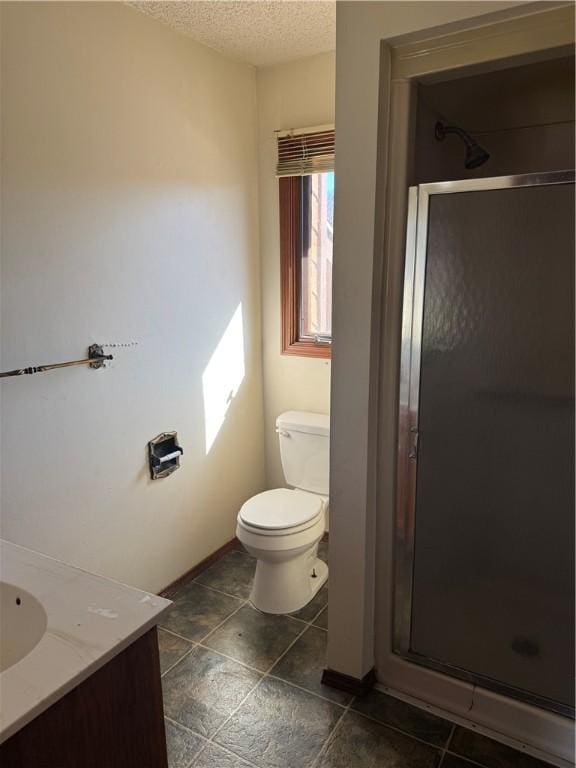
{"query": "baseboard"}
(206, 563)
(354, 685)
(202, 566)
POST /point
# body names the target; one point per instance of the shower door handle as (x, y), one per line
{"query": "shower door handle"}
(414, 450)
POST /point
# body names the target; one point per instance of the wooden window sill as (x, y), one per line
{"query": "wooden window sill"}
(307, 349)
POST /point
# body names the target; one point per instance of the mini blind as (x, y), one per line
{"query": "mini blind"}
(305, 151)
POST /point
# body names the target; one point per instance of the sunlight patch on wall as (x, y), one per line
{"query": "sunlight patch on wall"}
(222, 377)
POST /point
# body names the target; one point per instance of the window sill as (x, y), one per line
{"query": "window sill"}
(308, 349)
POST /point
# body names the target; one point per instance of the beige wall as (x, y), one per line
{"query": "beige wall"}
(129, 213)
(294, 95)
(358, 302)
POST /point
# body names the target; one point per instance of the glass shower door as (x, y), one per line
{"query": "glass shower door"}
(485, 526)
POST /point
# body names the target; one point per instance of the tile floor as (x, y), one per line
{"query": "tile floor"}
(242, 689)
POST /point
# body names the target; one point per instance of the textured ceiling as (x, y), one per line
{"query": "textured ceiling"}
(258, 32)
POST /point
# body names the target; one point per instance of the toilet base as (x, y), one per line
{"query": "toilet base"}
(286, 587)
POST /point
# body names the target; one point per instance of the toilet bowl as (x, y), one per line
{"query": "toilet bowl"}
(281, 528)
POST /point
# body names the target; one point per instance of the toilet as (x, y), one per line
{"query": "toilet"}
(282, 528)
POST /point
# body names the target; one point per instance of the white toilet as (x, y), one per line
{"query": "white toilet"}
(282, 528)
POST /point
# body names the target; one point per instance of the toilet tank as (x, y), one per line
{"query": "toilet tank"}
(304, 449)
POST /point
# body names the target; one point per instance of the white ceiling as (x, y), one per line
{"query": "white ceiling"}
(258, 32)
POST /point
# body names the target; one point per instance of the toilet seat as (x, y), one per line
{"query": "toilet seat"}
(281, 511)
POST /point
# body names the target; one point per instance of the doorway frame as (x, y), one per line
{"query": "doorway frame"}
(527, 34)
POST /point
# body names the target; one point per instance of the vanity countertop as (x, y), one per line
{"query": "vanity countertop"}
(90, 619)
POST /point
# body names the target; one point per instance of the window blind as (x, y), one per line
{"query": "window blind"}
(305, 151)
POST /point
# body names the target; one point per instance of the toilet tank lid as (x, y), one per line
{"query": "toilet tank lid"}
(304, 421)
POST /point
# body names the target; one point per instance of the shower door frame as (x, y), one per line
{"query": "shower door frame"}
(408, 412)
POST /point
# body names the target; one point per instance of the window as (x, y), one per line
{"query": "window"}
(306, 221)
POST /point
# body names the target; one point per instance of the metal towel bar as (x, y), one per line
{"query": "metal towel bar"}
(95, 359)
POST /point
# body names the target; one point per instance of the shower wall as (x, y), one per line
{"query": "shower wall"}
(523, 116)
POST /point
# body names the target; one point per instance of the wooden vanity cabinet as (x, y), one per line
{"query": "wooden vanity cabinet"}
(114, 719)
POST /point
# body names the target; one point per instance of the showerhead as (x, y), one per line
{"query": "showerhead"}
(475, 154)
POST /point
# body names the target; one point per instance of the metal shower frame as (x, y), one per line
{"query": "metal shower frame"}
(408, 412)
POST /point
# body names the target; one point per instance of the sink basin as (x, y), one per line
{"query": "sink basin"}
(23, 624)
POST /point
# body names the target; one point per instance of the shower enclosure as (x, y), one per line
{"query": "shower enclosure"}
(484, 552)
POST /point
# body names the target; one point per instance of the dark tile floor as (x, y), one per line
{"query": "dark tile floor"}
(242, 688)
